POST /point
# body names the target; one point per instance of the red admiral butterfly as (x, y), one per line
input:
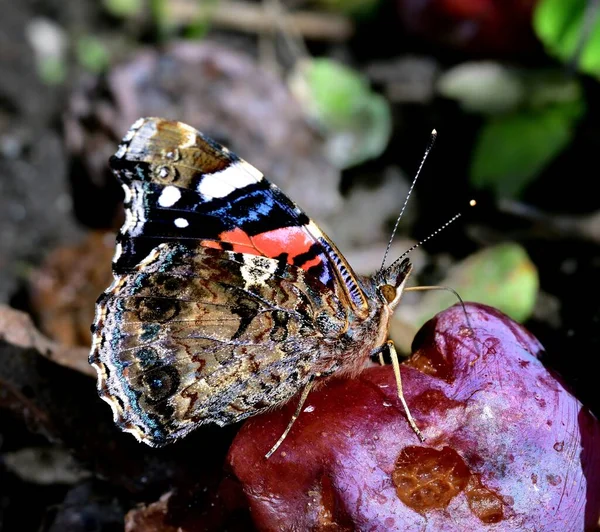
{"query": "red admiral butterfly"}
(227, 299)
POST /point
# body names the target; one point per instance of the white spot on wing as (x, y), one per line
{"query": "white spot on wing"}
(237, 175)
(135, 215)
(121, 151)
(137, 125)
(127, 192)
(118, 252)
(181, 222)
(212, 186)
(256, 270)
(256, 174)
(169, 196)
(129, 223)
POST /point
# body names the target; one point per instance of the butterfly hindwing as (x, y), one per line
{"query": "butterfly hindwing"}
(200, 335)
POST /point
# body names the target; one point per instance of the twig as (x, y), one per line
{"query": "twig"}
(254, 18)
(586, 226)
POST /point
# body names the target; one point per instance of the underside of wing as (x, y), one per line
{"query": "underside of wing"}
(194, 335)
(180, 185)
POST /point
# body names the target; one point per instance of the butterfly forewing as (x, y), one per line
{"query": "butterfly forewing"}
(181, 185)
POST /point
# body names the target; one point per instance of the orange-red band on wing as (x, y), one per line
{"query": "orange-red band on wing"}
(293, 241)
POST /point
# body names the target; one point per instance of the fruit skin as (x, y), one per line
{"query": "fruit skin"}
(507, 446)
(481, 27)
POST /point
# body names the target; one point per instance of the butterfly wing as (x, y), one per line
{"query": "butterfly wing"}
(180, 185)
(197, 335)
(223, 291)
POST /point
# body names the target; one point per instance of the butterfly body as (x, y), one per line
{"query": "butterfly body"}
(227, 299)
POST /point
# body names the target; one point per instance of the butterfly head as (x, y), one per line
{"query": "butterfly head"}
(390, 282)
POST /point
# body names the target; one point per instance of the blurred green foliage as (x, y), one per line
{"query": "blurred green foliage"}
(502, 276)
(162, 18)
(512, 149)
(570, 31)
(92, 54)
(52, 70)
(484, 87)
(530, 117)
(198, 28)
(356, 121)
(124, 8)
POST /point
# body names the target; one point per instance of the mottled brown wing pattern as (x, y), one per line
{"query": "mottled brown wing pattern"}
(193, 335)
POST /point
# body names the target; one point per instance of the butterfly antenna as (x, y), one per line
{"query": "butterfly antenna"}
(472, 203)
(412, 186)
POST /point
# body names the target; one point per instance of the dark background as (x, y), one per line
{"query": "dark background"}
(73, 77)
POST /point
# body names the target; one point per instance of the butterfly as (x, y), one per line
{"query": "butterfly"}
(227, 300)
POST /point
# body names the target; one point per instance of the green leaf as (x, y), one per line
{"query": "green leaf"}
(200, 26)
(357, 121)
(568, 28)
(52, 70)
(338, 92)
(123, 8)
(483, 86)
(92, 54)
(512, 149)
(377, 129)
(502, 276)
(163, 19)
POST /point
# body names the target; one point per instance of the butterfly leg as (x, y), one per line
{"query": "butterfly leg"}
(396, 366)
(301, 402)
(379, 352)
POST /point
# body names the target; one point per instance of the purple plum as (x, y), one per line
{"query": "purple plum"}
(507, 446)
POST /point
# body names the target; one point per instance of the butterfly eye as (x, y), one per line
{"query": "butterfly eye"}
(388, 292)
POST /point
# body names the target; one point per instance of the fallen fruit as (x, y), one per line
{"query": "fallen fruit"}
(507, 446)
